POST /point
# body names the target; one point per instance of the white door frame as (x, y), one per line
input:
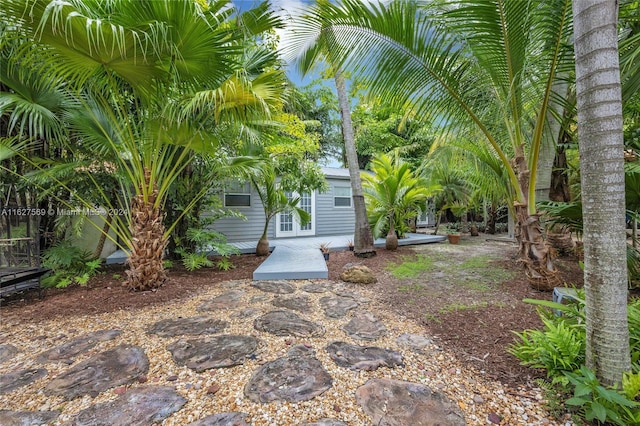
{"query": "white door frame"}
(287, 226)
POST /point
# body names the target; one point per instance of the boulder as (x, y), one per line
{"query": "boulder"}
(357, 273)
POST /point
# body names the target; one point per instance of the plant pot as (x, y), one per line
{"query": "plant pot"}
(326, 256)
(453, 238)
(351, 248)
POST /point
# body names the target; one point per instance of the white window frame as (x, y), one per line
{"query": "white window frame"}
(349, 197)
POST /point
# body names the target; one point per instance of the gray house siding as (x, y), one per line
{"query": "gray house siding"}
(329, 219)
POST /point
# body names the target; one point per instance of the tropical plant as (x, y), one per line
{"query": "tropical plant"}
(488, 66)
(205, 240)
(139, 83)
(69, 265)
(393, 196)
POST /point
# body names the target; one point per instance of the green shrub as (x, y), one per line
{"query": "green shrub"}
(204, 241)
(69, 265)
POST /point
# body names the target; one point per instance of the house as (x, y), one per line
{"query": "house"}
(331, 212)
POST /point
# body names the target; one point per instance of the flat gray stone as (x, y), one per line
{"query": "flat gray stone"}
(415, 342)
(7, 352)
(337, 306)
(357, 357)
(136, 407)
(213, 352)
(343, 291)
(326, 422)
(398, 403)
(315, 288)
(172, 327)
(287, 323)
(296, 303)
(118, 366)
(27, 418)
(78, 345)
(365, 326)
(278, 287)
(223, 419)
(20, 378)
(228, 300)
(292, 378)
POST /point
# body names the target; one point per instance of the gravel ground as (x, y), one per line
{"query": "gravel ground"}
(479, 398)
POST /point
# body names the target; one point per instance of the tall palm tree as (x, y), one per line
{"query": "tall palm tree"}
(602, 180)
(129, 62)
(471, 64)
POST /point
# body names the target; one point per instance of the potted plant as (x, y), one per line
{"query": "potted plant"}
(453, 235)
(324, 248)
(350, 245)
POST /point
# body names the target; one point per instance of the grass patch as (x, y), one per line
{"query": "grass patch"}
(410, 268)
(410, 287)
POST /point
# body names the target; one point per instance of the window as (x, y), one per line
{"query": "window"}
(342, 196)
(237, 194)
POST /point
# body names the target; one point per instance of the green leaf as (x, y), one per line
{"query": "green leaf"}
(577, 401)
(582, 390)
(599, 411)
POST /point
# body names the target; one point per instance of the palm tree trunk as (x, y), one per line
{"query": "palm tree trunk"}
(602, 179)
(362, 238)
(391, 242)
(146, 269)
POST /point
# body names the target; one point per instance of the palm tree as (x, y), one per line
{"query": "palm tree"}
(602, 180)
(129, 63)
(478, 65)
(393, 196)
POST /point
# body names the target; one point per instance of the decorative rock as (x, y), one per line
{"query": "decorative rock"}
(343, 292)
(20, 378)
(213, 389)
(78, 345)
(315, 288)
(279, 287)
(337, 307)
(139, 406)
(398, 403)
(228, 300)
(287, 323)
(7, 352)
(222, 419)
(172, 327)
(326, 422)
(245, 313)
(365, 326)
(363, 358)
(292, 378)
(415, 342)
(119, 366)
(356, 273)
(213, 352)
(300, 303)
(27, 418)
(494, 418)
(301, 350)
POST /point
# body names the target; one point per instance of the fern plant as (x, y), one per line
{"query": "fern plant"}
(204, 241)
(69, 265)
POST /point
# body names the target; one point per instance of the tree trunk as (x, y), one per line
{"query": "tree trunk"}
(146, 269)
(391, 242)
(262, 249)
(602, 178)
(362, 238)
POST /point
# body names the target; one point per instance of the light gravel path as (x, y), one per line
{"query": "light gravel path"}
(198, 387)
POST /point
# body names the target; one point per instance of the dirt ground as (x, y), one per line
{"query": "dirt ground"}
(467, 296)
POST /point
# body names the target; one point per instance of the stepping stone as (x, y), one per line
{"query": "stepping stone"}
(7, 352)
(138, 406)
(415, 342)
(365, 326)
(245, 313)
(279, 287)
(223, 419)
(213, 352)
(397, 403)
(260, 298)
(326, 422)
(287, 323)
(315, 288)
(78, 345)
(172, 327)
(336, 306)
(296, 303)
(292, 378)
(343, 292)
(228, 300)
(27, 418)
(367, 358)
(20, 378)
(118, 366)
